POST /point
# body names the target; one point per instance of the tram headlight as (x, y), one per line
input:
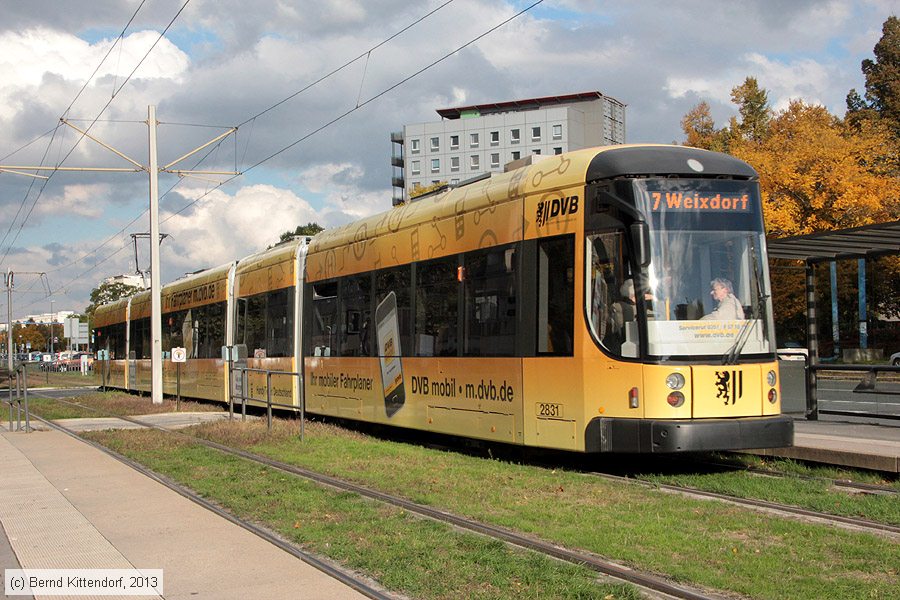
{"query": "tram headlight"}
(675, 381)
(771, 379)
(675, 399)
(773, 396)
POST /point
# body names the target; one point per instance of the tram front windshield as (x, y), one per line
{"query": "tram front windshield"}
(705, 293)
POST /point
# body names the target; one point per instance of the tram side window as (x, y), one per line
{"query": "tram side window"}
(399, 281)
(199, 330)
(140, 338)
(213, 331)
(356, 307)
(112, 338)
(437, 308)
(324, 318)
(490, 302)
(251, 322)
(119, 341)
(172, 333)
(556, 295)
(265, 323)
(280, 322)
(610, 294)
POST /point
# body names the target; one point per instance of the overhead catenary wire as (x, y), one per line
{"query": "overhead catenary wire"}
(346, 113)
(84, 134)
(56, 128)
(368, 101)
(252, 120)
(346, 64)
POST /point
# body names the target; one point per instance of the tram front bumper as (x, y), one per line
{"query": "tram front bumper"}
(605, 434)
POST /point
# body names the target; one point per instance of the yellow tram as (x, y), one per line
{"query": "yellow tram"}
(606, 300)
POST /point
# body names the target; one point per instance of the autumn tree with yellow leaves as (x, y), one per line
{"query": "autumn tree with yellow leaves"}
(819, 172)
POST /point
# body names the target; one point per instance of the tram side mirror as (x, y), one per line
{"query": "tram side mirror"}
(640, 237)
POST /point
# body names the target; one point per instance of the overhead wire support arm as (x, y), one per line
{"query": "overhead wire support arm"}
(108, 147)
(167, 167)
(15, 172)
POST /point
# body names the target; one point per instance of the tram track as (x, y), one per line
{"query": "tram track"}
(352, 580)
(848, 522)
(852, 523)
(848, 484)
(655, 586)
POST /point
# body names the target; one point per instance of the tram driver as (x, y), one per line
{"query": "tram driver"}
(729, 307)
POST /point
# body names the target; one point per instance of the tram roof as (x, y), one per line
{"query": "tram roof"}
(881, 239)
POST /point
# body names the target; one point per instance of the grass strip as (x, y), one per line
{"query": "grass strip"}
(816, 495)
(415, 556)
(701, 543)
(110, 403)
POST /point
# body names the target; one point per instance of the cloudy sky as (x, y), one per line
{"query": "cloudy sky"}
(222, 63)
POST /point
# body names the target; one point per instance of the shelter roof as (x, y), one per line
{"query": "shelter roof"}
(858, 242)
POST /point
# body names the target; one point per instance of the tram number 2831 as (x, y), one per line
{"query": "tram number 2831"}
(545, 409)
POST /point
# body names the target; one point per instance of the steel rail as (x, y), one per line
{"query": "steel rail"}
(846, 483)
(857, 523)
(345, 577)
(611, 569)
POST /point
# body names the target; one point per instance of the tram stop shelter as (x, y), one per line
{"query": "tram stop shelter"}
(860, 243)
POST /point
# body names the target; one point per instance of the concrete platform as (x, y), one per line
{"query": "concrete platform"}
(65, 504)
(856, 445)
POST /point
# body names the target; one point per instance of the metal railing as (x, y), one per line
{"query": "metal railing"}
(244, 398)
(868, 385)
(21, 377)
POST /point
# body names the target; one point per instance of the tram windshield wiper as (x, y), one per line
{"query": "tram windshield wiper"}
(731, 357)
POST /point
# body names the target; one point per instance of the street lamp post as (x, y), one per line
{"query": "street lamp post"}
(52, 320)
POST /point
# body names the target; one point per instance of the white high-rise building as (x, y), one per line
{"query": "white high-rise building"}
(472, 140)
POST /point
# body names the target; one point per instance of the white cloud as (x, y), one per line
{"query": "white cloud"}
(40, 56)
(223, 227)
(79, 200)
(344, 198)
(802, 78)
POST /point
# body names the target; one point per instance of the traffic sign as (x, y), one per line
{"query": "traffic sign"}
(179, 355)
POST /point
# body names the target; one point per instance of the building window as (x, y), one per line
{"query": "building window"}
(495, 160)
(416, 167)
(495, 138)
(557, 150)
(535, 134)
(454, 181)
(474, 162)
(435, 144)
(557, 132)
(435, 165)
(414, 146)
(513, 136)
(454, 163)
(516, 155)
(536, 151)
(473, 140)
(454, 142)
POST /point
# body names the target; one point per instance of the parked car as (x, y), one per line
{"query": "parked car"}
(72, 361)
(792, 351)
(895, 359)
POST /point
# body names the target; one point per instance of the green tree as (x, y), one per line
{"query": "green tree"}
(309, 229)
(753, 106)
(108, 292)
(882, 81)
